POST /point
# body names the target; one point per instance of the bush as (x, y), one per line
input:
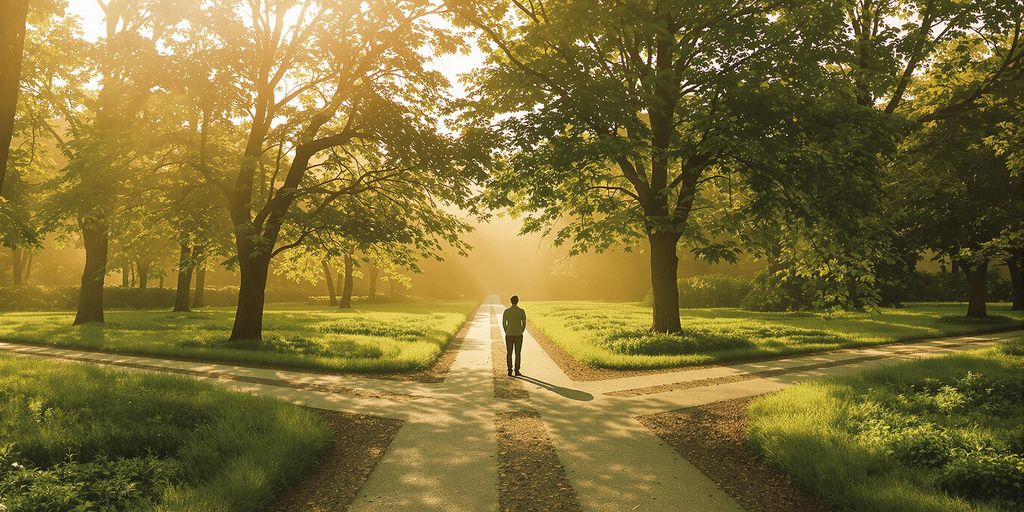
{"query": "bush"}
(103, 484)
(709, 291)
(950, 287)
(771, 292)
(713, 291)
(985, 476)
(40, 298)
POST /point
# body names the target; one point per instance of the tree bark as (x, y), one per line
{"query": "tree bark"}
(17, 266)
(90, 297)
(185, 267)
(28, 268)
(330, 283)
(977, 277)
(143, 269)
(374, 274)
(1016, 283)
(346, 291)
(251, 298)
(664, 270)
(12, 45)
(199, 299)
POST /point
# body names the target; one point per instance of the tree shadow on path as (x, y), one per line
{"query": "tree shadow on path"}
(571, 394)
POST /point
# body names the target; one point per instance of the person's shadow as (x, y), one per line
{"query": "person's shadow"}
(571, 394)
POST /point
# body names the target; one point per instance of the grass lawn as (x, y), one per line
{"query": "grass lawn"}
(367, 338)
(75, 437)
(615, 334)
(943, 434)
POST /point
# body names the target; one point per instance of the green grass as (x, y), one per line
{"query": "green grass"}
(944, 434)
(615, 334)
(367, 338)
(75, 437)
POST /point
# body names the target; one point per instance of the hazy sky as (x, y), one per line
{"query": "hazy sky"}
(452, 65)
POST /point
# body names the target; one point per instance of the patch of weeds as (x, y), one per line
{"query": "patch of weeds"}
(102, 484)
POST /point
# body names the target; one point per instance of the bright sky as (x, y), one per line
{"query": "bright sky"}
(452, 65)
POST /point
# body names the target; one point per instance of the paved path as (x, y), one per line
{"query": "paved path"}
(444, 457)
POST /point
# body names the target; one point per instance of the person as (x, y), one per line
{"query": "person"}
(513, 321)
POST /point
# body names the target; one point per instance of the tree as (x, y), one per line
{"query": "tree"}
(330, 283)
(12, 41)
(105, 136)
(327, 75)
(961, 190)
(614, 112)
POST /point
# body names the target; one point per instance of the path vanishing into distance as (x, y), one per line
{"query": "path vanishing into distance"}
(447, 455)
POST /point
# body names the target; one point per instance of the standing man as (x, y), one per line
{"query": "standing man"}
(514, 323)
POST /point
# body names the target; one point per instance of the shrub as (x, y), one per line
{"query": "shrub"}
(770, 291)
(950, 287)
(40, 298)
(1014, 347)
(923, 445)
(103, 484)
(709, 291)
(713, 291)
(985, 476)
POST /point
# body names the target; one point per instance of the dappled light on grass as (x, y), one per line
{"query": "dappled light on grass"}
(74, 437)
(617, 334)
(939, 434)
(368, 338)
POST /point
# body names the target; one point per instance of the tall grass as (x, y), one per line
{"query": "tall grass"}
(616, 334)
(74, 437)
(368, 338)
(943, 434)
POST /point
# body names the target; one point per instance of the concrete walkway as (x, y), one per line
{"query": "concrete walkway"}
(444, 457)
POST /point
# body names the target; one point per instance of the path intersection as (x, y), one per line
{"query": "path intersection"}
(445, 457)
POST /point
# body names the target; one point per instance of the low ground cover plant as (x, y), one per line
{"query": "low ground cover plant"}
(617, 335)
(367, 338)
(75, 437)
(939, 434)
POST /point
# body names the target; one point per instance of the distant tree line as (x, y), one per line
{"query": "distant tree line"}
(835, 141)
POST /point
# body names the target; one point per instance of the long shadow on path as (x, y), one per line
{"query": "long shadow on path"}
(571, 394)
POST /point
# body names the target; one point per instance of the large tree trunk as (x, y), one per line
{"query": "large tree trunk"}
(12, 43)
(251, 298)
(977, 277)
(199, 299)
(664, 269)
(18, 261)
(181, 295)
(330, 283)
(1017, 284)
(126, 273)
(143, 271)
(346, 291)
(90, 297)
(28, 268)
(374, 275)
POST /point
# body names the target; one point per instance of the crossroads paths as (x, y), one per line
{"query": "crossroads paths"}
(445, 456)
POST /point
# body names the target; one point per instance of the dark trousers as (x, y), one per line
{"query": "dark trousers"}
(513, 342)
